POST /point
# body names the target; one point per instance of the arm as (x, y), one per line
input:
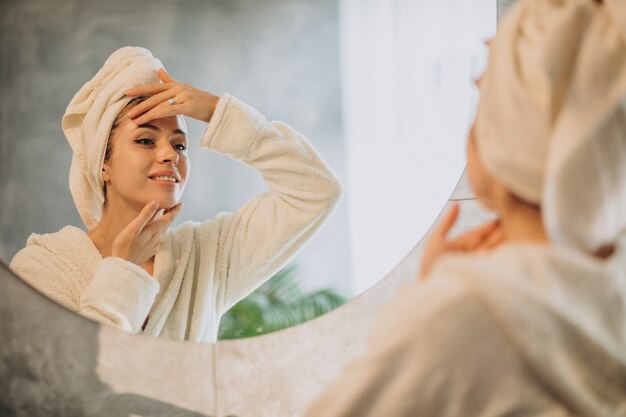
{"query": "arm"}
(120, 293)
(267, 231)
(236, 252)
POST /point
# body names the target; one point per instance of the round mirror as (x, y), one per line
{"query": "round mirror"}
(382, 90)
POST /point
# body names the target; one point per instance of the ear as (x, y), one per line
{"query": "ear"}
(105, 172)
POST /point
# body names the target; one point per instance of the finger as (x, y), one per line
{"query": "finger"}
(150, 103)
(486, 229)
(159, 227)
(159, 112)
(156, 216)
(156, 239)
(166, 219)
(175, 207)
(461, 243)
(470, 240)
(148, 89)
(493, 240)
(448, 221)
(172, 212)
(165, 76)
(145, 215)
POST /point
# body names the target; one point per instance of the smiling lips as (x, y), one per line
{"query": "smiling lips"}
(168, 180)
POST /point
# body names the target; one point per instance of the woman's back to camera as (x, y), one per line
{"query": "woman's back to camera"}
(524, 315)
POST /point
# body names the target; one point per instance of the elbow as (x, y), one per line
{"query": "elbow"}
(338, 191)
(333, 192)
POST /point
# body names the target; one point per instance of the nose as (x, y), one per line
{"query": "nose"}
(168, 154)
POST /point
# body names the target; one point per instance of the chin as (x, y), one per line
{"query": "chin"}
(167, 203)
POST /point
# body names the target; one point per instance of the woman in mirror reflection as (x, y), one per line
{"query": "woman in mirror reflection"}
(526, 315)
(129, 169)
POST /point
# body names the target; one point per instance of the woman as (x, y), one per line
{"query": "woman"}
(524, 316)
(128, 172)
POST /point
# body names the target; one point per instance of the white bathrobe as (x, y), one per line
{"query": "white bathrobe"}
(202, 269)
(526, 330)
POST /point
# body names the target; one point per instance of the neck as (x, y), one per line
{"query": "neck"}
(522, 222)
(115, 217)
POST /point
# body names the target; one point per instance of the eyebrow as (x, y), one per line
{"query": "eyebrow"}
(156, 129)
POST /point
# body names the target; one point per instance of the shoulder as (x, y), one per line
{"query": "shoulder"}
(512, 268)
(54, 251)
(422, 307)
(464, 295)
(57, 264)
(527, 273)
(440, 336)
(189, 231)
(59, 238)
(538, 289)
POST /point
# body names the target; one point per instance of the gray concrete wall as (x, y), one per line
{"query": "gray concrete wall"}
(281, 56)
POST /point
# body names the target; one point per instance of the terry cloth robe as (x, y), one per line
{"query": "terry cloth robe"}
(525, 330)
(201, 269)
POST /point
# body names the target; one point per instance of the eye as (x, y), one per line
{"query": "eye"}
(144, 141)
(180, 146)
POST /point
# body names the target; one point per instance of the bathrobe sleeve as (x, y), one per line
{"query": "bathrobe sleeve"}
(121, 294)
(436, 351)
(266, 232)
(118, 293)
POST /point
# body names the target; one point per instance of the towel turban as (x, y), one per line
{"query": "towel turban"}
(551, 121)
(89, 117)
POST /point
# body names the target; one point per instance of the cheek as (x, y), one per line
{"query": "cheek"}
(183, 167)
(472, 169)
(474, 178)
(482, 184)
(476, 174)
(128, 165)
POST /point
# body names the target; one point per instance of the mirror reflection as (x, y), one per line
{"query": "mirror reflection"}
(351, 83)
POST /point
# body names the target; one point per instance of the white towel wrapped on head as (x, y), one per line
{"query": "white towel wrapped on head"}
(89, 117)
(552, 115)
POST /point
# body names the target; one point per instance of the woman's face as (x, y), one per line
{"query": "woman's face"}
(481, 182)
(147, 162)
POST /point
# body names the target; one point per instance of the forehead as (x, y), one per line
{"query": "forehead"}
(168, 125)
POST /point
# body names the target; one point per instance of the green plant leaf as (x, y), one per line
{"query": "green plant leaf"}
(276, 305)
